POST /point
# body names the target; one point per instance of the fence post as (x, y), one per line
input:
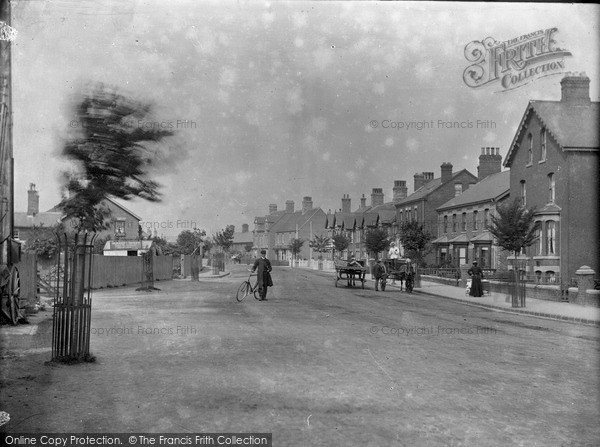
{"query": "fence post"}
(585, 280)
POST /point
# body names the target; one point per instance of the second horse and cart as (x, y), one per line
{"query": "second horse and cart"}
(397, 269)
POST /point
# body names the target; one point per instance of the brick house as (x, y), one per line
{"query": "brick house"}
(463, 234)
(553, 163)
(26, 222)
(275, 231)
(429, 194)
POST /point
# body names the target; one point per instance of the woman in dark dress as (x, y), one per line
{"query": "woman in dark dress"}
(476, 274)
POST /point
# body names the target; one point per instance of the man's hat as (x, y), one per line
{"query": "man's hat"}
(393, 243)
(263, 252)
(474, 262)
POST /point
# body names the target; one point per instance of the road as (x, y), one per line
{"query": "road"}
(316, 365)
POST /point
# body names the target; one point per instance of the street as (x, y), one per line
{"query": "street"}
(314, 365)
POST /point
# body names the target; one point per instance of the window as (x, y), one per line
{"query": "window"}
(486, 218)
(416, 214)
(550, 237)
(445, 224)
(543, 151)
(523, 193)
(400, 216)
(475, 225)
(454, 223)
(538, 242)
(551, 188)
(457, 189)
(530, 153)
(463, 224)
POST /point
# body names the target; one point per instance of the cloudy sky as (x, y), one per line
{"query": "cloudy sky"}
(281, 98)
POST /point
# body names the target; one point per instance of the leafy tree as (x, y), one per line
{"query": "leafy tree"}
(514, 227)
(190, 240)
(43, 241)
(248, 247)
(414, 238)
(165, 247)
(224, 238)
(321, 244)
(112, 155)
(340, 242)
(296, 247)
(99, 244)
(376, 240)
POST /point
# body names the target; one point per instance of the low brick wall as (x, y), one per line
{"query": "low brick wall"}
(536, 291)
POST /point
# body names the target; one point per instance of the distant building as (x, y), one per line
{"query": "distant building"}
(242, 240)
(429, 194)
(127, 248)
(275, 231)
(25, 222)
(553, 163)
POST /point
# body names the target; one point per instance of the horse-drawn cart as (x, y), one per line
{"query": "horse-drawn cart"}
(400, 270)
(349, 273)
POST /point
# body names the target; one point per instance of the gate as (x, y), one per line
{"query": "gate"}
(73, 299)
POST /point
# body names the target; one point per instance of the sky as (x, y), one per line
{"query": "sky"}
(275, 101)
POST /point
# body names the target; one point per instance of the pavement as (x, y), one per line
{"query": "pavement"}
(497, 301)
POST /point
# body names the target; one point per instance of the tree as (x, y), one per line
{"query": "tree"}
(248, 247)
(224, 238)
(514, 228)
(321, 244)
(111, 153)
(414, 238)
(296, 247)
(190, 240)
(376, 241)
(340, 242)
(43, 241)
(165, 247)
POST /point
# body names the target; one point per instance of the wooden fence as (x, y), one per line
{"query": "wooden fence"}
(28, 275)
(114, 271)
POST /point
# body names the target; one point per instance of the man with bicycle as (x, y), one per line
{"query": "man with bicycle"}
(263, 268)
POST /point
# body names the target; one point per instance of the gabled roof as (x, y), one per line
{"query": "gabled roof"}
(296, 220)
(111, 202)
(428, 188)
(574, 125)
(344, 220)
(491, 188)
(47, 219)
(550, 208)
(387, 216)
(370, 219)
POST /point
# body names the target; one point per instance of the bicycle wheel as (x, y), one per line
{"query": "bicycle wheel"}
(255, 291)
(243, 291)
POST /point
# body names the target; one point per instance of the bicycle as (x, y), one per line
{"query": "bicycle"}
(246, 288)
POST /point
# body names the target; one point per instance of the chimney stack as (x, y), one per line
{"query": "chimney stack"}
(446, 172)
(400, 191)
(306, 204)
(363, 201)
(33, 201)
(428, 176)
(377, 197)
(346, 203)
(244, 228)
(289, 206)
(419, 180)
(575, 88)
(272, 208)
(490, 162)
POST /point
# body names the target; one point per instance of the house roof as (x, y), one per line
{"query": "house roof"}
(491, 188)
(110, 201)
(574, 126)
(47, 219)
(428, 188)
(344, 220)
(440, 240)
(486, 236)
(459, 238)
(243, 237)
(296, 220)
(387, 216)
